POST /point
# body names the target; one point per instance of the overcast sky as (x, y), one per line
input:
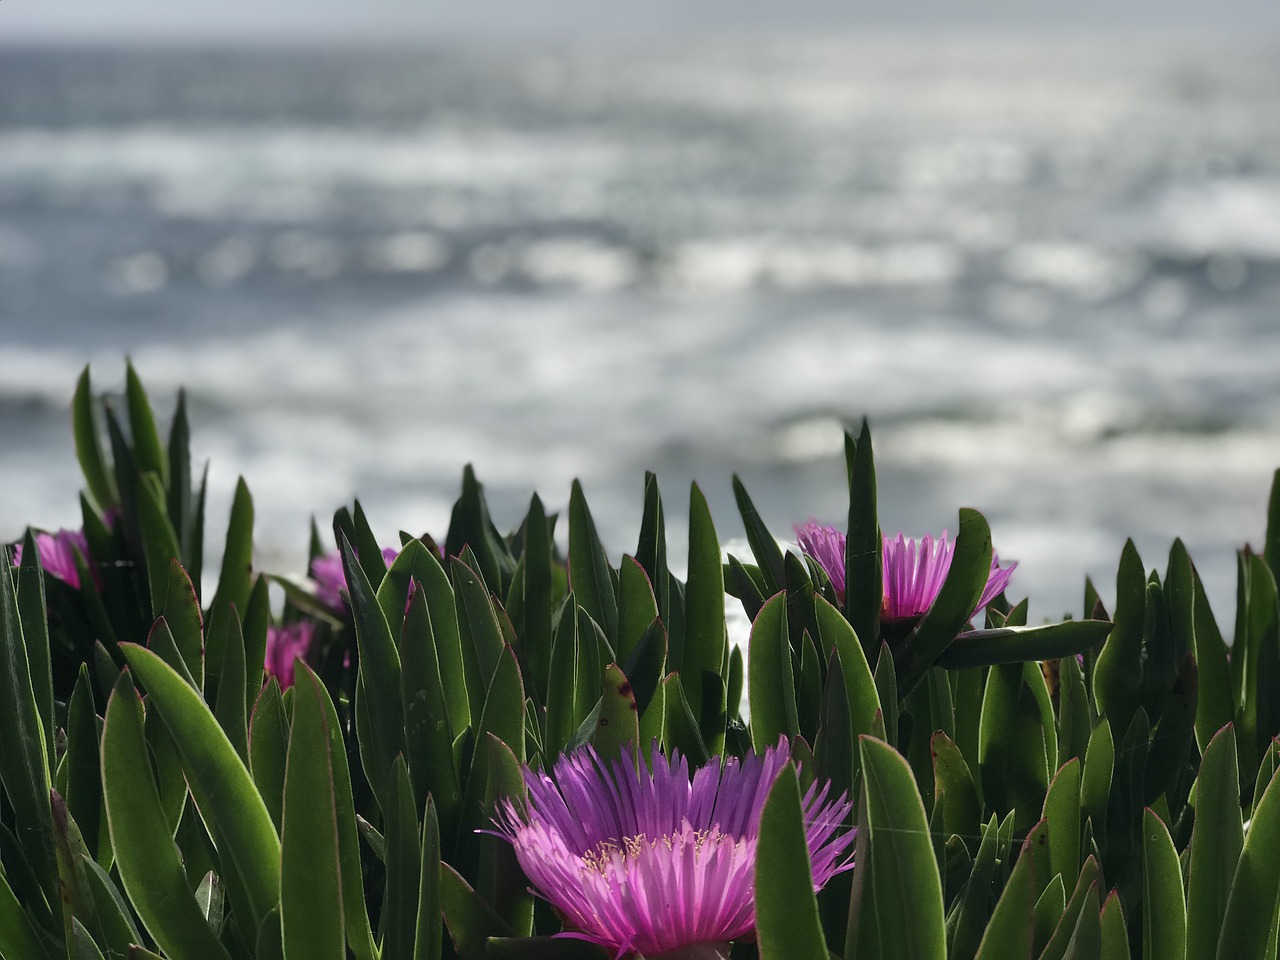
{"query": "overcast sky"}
(407, 20)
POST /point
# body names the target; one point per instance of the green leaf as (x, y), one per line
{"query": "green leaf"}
(954, 788)
(310, 879)
(148, 861)
(367, 548)
(429, 936)
(907, 888)
(378, 697)
(434, 584)
(651, 550)
(1117, 676)
(399, 925)
(535, 617)
(1049, 910)
(34, 618)
(480, 635)
(147, 448)
(235, 578)
(1115, 938)
(1011, 931)
(159, 540)
(1062, 811)
(471, 921)
(787, 923)
(637, 607)
(503, 717)
(268, 747)
(619, 721)
(500, 880)
(1252, 904)
(835, 632)
(1215, 696)
(24, 761)
(178, 502)
(1051, 641)
(1095, 781)
(1164, 913)
(18, 935)
(1086, 939)
(1075, 722)
(763, 545)
(770, 683)
(429, 734)
(84, 768)
(1216, 842)
(470, 526)
(680, 729)
(180, 608)
(705, 640)
(89, 444)
(224, 793)
(1013, 744)
(644, 667)
(956, 601)
(230, 706)
(589, 573)
(1060, 944)
(864, 583)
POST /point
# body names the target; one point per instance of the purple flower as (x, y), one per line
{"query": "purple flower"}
(331, 581)
(913, 570)
(648, 862)
(284, 646)
(57, 553)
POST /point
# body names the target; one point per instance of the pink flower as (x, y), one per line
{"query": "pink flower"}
(57, 553)
(331, 580)
(648, 862)
(914, 571)
(284, 646)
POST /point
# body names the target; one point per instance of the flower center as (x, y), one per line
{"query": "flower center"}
(611, 853)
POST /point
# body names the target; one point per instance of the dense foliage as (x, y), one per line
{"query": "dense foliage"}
(1102, 787)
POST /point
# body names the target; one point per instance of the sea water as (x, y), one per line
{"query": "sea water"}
(1047, 270)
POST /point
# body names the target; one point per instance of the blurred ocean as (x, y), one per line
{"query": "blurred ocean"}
(1048, 271)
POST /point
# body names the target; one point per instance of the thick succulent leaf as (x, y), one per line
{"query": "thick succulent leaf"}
(268, 748)
(864, 584)
(378, 698)
(35, 632)
(1216, 842)
(1059, 945)
(399, 925)
(1115, 937)
(500, 880)
(770, 682)
(1254, 891)
(148, 451)
(236, 577)
(1062, 811)
(470, 920)
(705, 637)
(1051, 641)
(907, 888)
(93, 462)
(228, 802)
(1117, 676)
(589, 573)
(480, 634)
(787, 923)
(1164, 912)
(1215, 695)
(24, 760)
(148, 861)
(1011, 932)
(181, 610)
(429, 936)
(618, 722)
(84, 769)
(311, 920)
(763, 545)
(954, 788)
(429, 734)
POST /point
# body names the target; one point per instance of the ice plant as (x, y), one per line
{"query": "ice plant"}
(284, 645)
(57, 553)
(914, 570)
(331, 581)
(647, 862)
